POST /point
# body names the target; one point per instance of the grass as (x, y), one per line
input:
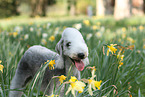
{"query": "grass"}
(100, 32)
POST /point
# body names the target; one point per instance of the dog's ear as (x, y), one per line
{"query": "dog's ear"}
(59, 47)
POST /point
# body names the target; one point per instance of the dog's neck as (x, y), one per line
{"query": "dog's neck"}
(70, 68)
(64, 62)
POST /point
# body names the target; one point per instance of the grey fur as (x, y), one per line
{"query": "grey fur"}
(36, 55)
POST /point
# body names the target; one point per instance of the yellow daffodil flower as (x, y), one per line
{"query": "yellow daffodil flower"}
(89, 36)
(30, 23)
(130, 40)
(15, 34)
(93, 84)
(98, 34)
(123, 35)
(111, 49)
(134, 28)
(86, 22)
(98, 84)
(52, 38)
(93, 68)
(120, 57)
(43, 41)
(53, 95)
(98, 23)
(51, 64)
(141, 27)
(64, 27)
(73, 79)
(61, 78)
(1, 66)
(93, 73)
(144, 46)
(75, 86)
(78, 26)
(94, 27)
(123, 29)
(119, 54)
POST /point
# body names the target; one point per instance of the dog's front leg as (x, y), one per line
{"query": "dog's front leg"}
(21, 78)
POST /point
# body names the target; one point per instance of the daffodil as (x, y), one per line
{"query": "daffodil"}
(123, 35)
(31, 29)
(120, 57)
(51, 64)
(52, 38)
(98, 34)
(62, 78)
(93, 84)
(89, 36)
(93, 68)
(98, 23)
(44, 35)
(144, 46)
(134, 28)
(93, 73)
(44, 26)
(75, 85)
(15, 34)
(98, 84)
(30, 23)
(26, 37)
(141, 27)
(111, 49)
(86, 22)
(78, 26)
(94, 27)
(73, 79)
(43, 41)
(64, 27)
(53, 95)
(123, 29)
(1, 66)
(130, 40)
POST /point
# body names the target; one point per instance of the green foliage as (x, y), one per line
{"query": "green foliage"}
(123, 81)
(8, 8)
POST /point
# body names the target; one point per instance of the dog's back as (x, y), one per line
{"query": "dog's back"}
(33, 58)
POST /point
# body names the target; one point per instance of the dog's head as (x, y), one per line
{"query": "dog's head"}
(73, 45)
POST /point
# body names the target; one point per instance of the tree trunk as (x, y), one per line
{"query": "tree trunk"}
(100, 8)
(104, 7)
(38, 7)
(122, 9)
(72, 7)
(33, 8)
(137, 7)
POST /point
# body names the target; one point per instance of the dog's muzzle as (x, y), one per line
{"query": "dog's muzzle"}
(78, 61)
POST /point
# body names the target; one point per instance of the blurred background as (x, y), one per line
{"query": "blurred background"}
(58, 8)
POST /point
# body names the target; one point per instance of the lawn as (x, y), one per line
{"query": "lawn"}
(122, 72)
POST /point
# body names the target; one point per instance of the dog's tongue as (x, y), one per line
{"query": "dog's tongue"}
(79, 65)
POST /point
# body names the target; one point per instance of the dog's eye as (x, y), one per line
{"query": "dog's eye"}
(68, 44)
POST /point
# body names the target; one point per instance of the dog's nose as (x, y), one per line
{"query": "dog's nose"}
(81, 55)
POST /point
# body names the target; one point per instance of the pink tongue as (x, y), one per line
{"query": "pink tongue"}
(79, 65)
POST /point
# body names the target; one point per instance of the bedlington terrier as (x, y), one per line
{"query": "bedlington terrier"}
(71, 51)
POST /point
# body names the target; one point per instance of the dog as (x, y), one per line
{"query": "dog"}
(72, 51)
